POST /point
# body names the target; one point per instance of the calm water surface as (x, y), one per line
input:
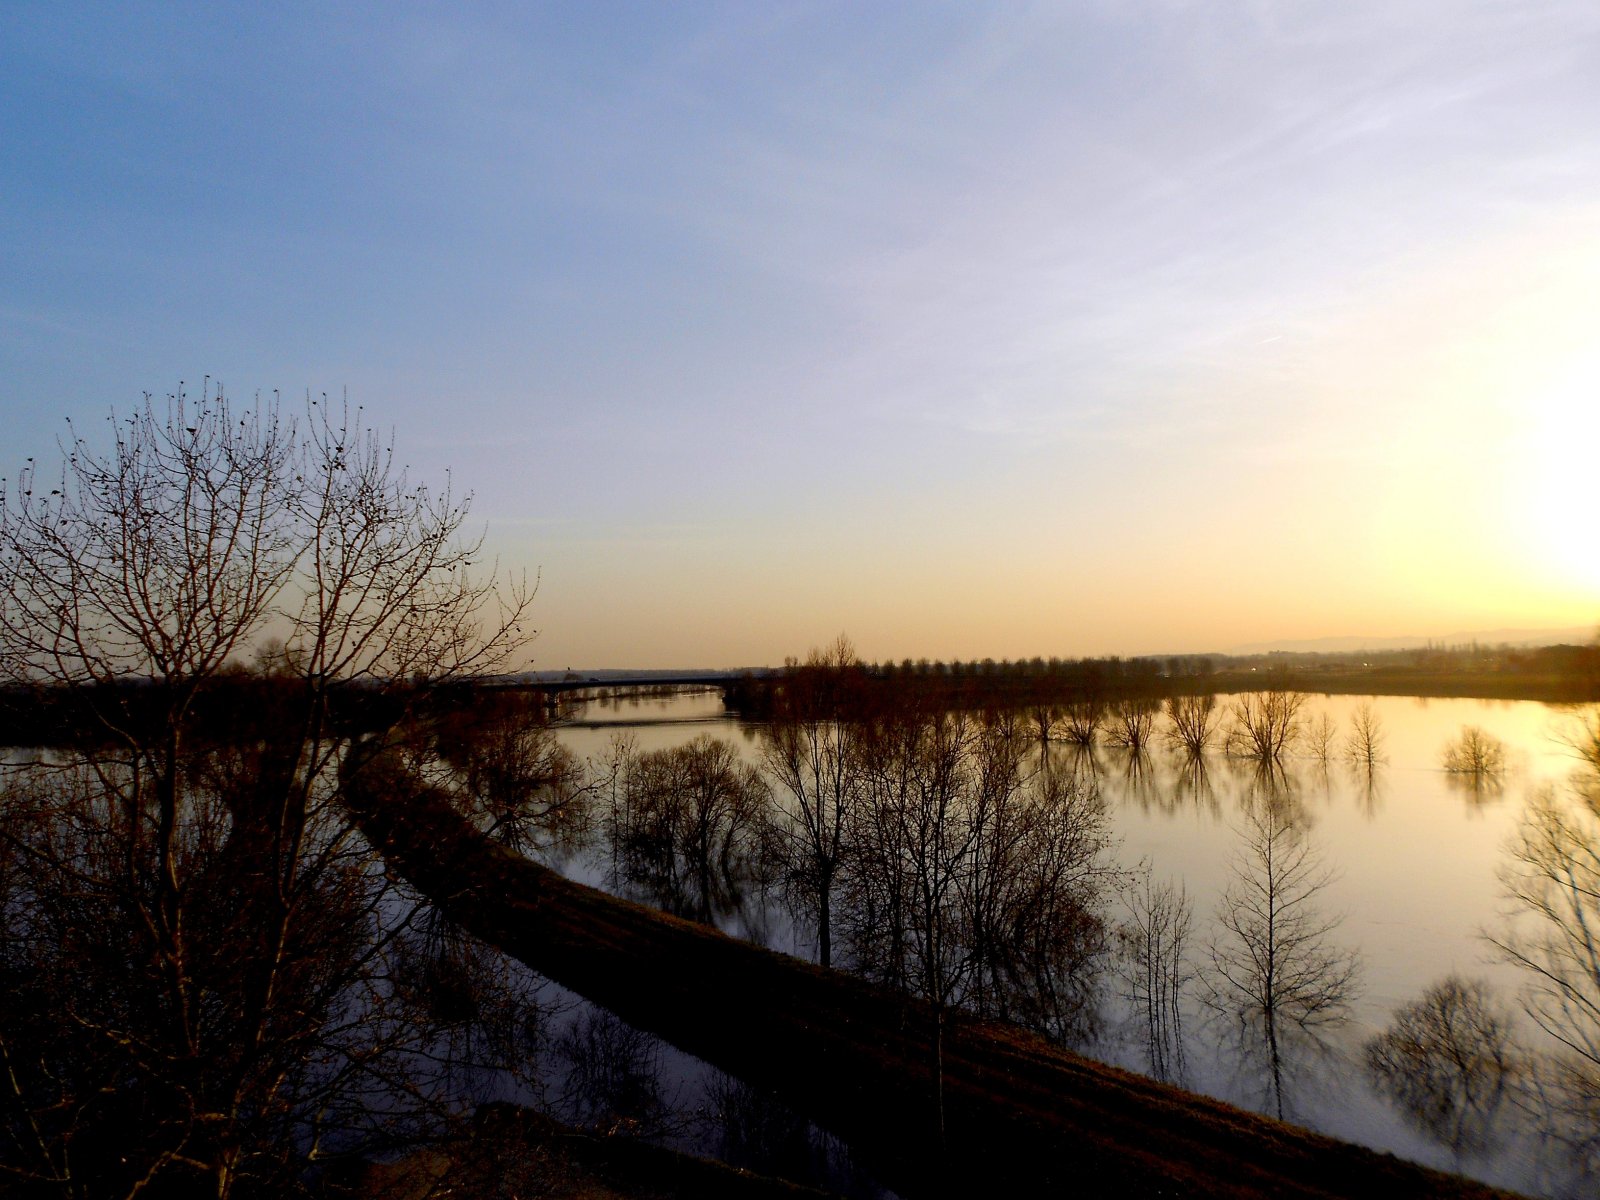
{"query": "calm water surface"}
(1413, 850)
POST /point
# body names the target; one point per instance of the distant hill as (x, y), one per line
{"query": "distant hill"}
(1581, 635)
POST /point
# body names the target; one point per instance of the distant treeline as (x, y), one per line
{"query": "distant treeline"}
(1555, 674)
(45, 716)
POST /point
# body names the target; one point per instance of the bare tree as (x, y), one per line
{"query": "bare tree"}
(1447, 1061)
(508, 769)
(1319, 737)
(1275, 974)
(693, 836)
(813, 751)
(1582, 737)
(201, 932)
(1083, 719)
(1363, 748)
(1265, 724)
(1043, 715)
(1132, 722)
(1476, 754)
(1192, 718)
(973, 883)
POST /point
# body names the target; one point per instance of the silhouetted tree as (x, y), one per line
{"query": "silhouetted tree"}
(1319, 737)
(691, 832)
(1191, 717)
(814, 753)
(1083, 719)
(1363, 748)
(1265, 723)
(1274, 972)
(1475, 753)
(197, 969)
(1132, 722)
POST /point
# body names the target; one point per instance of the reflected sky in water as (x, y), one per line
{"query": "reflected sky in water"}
(1414, 853)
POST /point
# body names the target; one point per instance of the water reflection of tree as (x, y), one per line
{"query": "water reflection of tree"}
(1193, 784)
(1552, 878)
(1140, 780)
(1368, 788)
(1478, 790)
(1276, 981)
(1155, 970)
(613, 1078)
(688, 829)
(1073, 762)
(1447, 1062)
(753, 1129)
(816, 758)
(1264, 784)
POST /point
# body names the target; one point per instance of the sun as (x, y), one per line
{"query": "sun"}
(1556, 479)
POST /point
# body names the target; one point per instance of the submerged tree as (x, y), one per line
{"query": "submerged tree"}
(691, 834)
(1192, 720)
(196, 970)
(814, 753)
(1275, 974)
(508, 769)
(1265, 724)
(1475, 753)
(1447, 1062)
(1083, 719)
(1319, 737)
(1131, 723)
(974, 883)
(1363, 748)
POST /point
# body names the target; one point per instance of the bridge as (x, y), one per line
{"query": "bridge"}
(590, 683)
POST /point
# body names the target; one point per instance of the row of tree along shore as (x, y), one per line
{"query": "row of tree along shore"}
(1049, 691)
(1562, 674)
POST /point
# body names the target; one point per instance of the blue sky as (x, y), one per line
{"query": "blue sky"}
(972, 330)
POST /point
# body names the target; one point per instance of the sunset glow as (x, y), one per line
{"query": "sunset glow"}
(974, 331)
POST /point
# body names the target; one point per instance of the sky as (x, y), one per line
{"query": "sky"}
(970, 330)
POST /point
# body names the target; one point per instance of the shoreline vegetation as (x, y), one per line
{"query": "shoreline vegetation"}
(1559, 674)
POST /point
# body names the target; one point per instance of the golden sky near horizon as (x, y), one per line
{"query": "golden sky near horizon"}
(973, 331)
